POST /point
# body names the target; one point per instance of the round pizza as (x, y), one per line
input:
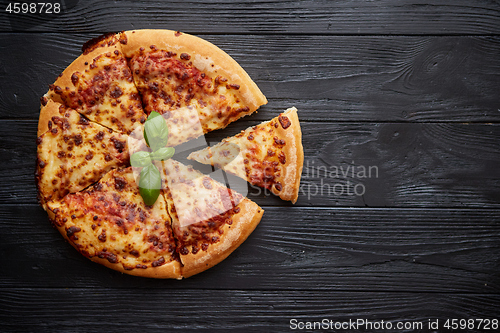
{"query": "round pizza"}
(87, 135)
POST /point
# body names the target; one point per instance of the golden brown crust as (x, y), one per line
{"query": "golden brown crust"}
(47, 111)
(203, 55)
(171, 270)
(292, 169)
(243, 224)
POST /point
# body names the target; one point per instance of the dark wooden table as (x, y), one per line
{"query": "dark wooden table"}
(408, 91)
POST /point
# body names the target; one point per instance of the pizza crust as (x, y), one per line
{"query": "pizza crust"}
(171, 270)
(47, 111)
(294, 157)
(243, 224)
(205, 56)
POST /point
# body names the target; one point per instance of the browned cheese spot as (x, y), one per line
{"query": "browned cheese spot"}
(284, 121)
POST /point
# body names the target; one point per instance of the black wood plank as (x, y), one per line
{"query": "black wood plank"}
(250, 17)
(407, 88)
(450, 79)
(85, 310)
(349, 249)
(346, 164)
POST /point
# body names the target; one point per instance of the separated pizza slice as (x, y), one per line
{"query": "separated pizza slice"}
(99, 85)
(269, 155)
(194, 84)
(73, 152)
(209, 220)
(110, 224)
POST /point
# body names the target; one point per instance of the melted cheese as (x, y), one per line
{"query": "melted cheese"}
(193, 100)
(256, 154)
(111, 221)
(194, 197)
(103, 91)
(75, 153)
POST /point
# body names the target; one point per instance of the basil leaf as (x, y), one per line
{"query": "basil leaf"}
(150, 184)
(140, 159)
(163, 154)
(156, 131)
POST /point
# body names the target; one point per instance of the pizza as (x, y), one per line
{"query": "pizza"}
(269, 155)
(87, 132)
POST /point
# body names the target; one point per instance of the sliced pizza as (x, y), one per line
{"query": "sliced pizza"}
(99, 85)
(73, 152)
(269, 155)
(194, 84)
(110, 224)
(209, 220)
(90, 123)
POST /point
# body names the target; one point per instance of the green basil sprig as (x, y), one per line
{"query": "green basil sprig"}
(156, 131)
(140, 159)
(163, 154)
(156, 136)
(150, 184)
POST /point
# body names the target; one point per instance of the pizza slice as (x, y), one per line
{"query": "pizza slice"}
(194, 84)
(110, 224)
(99, 85)
(209, 220)
(73, 152)
(269, 155)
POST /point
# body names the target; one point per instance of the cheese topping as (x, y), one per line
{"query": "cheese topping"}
(255, 154)
(75, 153)
(199, 206)
(104, 92)
(110, 221)
(171, 85)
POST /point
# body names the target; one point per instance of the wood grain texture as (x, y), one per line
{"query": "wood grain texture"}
(345, 164)
(275, 16)
(84, 310)
(338, 78)
(410, 87)
(349, 249)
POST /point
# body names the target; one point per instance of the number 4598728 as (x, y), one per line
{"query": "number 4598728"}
(33, 8)
(471, 324)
